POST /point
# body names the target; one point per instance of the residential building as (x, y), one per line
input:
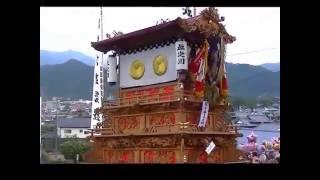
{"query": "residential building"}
(68, 127)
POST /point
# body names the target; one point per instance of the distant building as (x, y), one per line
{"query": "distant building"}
(51, 105)
(259, 119)
(68, 127)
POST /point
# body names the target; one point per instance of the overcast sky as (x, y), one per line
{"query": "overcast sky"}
(73, 28)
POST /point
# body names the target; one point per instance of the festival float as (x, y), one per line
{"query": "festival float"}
(172, 102)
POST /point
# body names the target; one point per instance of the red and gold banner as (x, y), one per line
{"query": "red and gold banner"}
(198, 69)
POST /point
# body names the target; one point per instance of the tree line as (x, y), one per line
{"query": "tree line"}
(251, 102)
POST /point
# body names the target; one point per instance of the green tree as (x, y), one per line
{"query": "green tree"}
(74, 146)
(251, 103)
(265, 101)
(237, 101)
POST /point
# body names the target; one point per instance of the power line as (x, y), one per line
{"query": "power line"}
(250, 52)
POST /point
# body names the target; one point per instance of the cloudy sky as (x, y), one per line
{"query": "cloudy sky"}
(73, 28)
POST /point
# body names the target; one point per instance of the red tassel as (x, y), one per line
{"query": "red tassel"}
(224, 83)
(224, 87)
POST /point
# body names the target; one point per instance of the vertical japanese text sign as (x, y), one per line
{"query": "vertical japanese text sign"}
(111, 69)
(181, 55)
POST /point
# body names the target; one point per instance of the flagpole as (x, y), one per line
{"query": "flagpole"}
(98, 94)
(101, 72)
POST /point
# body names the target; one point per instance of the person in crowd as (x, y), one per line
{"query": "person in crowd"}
(255, 159)
(263, 158)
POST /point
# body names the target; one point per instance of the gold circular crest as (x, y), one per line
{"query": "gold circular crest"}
(160, 65)
(137, 69)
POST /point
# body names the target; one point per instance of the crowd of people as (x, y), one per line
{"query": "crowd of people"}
(267, 152)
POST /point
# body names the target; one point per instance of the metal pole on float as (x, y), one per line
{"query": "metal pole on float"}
(40, 127)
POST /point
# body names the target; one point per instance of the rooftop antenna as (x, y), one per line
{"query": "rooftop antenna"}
(98, 88)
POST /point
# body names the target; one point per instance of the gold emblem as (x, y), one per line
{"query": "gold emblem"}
(137, 69)
(160, 65)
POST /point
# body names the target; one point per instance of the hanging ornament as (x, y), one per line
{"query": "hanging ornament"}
(224, 84)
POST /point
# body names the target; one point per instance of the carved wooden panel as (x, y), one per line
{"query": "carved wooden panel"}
(197, 141)
(128, 97)
(166, 92)
(194, 117)
(109, 157)
(200, 156)
(126, 124)
(145, 142)
(165, 155)
(219, 124)
(158, 142)
(148, 94)
(216, 156)
(152, 92)
(125, 156)
(119, 156)
(159, 156)
(149, 156)
(161, 119)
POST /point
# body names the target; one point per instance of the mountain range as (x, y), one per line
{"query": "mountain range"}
(274, 67)
(52, 57)
(73, 77)
(252, 81)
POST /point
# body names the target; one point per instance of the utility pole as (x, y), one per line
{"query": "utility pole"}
(56, 144)
(194, 12)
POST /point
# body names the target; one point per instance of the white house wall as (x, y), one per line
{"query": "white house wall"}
(74, 131)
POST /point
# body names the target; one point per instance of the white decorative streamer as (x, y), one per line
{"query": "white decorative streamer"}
(204, 114)
(210, 147)
(97, 93)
